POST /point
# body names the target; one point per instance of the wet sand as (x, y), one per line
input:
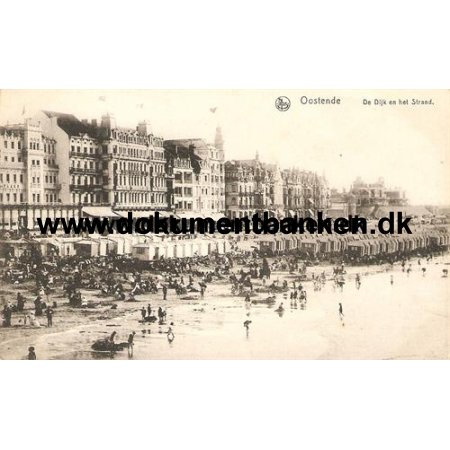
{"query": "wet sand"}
(405, 320)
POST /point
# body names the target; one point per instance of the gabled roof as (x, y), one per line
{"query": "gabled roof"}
(176, 150)
(52, 114)
(71, 125)
(197, 143)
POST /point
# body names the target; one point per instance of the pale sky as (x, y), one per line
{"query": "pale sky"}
(407, 145)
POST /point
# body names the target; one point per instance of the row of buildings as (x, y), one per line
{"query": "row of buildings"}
(255, 186)
(56, 165)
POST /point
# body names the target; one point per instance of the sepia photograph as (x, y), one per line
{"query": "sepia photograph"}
(224, 225)
(219, 224)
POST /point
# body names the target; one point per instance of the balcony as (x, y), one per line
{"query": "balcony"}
(85, 187)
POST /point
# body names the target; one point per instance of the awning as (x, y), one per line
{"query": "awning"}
(356, 244)
(216, 216)
(142, 214)
(99, 211)
(85, 242)
(141, 245)
(189, 215)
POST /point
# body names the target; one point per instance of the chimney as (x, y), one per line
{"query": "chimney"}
(94, 123)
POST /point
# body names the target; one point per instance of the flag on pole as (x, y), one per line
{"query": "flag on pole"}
(23, 110)
(102, 98)
(140, 105)
(213, 110)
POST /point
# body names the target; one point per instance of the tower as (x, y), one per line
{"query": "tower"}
(218, 141)
(108, 122)
(144, 128)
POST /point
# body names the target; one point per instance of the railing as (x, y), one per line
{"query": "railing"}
(85, 187)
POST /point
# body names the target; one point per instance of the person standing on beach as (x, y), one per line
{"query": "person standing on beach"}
(31, 354)
(20, 302)
(143, 313)
(164, 292)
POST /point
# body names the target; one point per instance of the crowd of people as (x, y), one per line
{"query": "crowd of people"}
(122, 279)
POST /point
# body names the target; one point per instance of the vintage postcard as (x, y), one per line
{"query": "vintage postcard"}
(227, 224)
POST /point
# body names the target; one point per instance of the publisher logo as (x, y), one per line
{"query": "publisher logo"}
(282, 103)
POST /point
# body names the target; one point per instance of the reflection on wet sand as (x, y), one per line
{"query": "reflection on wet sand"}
(390, 313)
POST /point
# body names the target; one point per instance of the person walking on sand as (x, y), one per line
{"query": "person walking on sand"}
(131, 343)
(164, 292)
(170, 335)
(341, 312)
(247, 327)
(112, 337)
(149, 310)
(49, 314)
(143, 313)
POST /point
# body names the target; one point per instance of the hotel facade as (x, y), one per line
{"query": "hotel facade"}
(56, 165)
